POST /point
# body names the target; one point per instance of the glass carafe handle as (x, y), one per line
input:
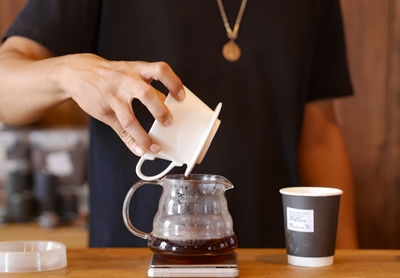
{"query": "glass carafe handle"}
(125, 209)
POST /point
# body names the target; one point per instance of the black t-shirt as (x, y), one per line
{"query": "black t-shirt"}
(292, 52)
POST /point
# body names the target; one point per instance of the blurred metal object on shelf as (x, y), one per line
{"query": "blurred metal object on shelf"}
(68, 196)
(48, 219)
(44, 188)
(20, 206)
(16, 198)
(62, 152)
(45, 192)
(3, 215)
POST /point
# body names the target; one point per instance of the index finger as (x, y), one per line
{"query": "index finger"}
(161, 71)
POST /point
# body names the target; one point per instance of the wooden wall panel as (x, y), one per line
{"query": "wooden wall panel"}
(8, 11)
(392, 151)
(370, 120)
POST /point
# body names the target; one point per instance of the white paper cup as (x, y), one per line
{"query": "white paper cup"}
(310, 216)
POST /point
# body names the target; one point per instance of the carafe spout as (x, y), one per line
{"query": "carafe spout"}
(227, 185)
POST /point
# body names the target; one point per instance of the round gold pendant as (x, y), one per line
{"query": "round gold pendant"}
(231, 51)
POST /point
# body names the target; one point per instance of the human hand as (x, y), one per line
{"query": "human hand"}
(105, 90)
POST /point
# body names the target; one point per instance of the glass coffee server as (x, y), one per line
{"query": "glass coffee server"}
(192, 229)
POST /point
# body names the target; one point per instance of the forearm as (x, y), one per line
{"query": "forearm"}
(33, 82)
(29, 87)
(325, 162)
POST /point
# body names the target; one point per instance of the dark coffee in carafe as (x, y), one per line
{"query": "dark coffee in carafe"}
(213, 247)
(190, 212)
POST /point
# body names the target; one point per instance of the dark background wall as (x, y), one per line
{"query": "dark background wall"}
(370, 120)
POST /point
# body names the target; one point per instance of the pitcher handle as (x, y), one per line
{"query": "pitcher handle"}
(125, 209)
(155, 177)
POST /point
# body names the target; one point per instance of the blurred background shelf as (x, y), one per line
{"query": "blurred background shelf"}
(73, 236)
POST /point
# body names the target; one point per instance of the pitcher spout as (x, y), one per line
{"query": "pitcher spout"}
(227, 184)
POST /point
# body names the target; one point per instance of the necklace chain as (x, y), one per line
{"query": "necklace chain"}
(232, 34)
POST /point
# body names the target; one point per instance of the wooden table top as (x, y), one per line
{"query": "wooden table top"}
(134, 262)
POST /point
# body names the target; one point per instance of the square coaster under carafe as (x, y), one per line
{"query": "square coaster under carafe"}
(196, 266)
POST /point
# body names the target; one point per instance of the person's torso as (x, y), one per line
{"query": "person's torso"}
(263, 96)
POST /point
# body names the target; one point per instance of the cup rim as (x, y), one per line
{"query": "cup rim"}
(311, 191)
(17, 243)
